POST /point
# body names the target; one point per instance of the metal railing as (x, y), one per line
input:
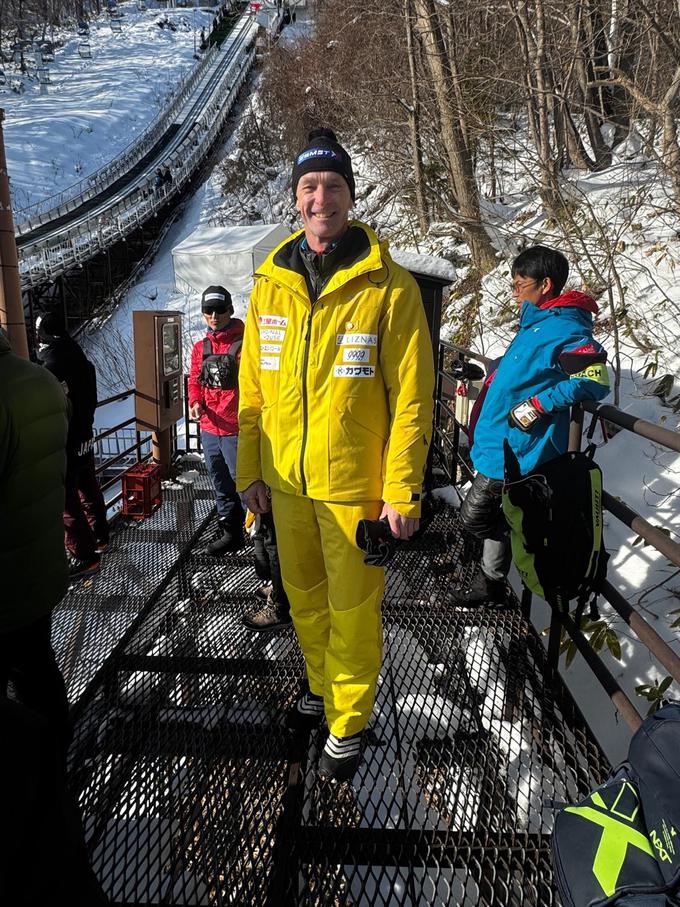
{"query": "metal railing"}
(446, 445)
(192, 428)
(129, 455)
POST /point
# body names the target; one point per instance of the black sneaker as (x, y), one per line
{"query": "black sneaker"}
(306, 714)
(100, 546)
(481, 591)
(267, 619)
(264, 591)
(229, 540)
(340, 757)
(79, 567)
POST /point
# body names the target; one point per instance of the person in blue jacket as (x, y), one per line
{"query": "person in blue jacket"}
(552, 363)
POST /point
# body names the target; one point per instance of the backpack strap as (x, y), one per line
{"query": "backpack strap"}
(231, 350)
(591, 427)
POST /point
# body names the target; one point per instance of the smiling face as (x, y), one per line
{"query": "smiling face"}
(323, 200)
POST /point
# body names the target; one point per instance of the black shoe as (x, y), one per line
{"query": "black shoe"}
(264, 591)
(230, 539)
(79, 567)
(481, 591)
(267, 619)
(100, 546)
(340, 758)
(306, 714)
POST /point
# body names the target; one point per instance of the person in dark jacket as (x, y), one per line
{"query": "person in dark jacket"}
(43, 857)
(552, 363)
(33, 566)
(213, 401)
(86, 529)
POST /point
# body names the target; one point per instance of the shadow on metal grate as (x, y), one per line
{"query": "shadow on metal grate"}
(193, 793)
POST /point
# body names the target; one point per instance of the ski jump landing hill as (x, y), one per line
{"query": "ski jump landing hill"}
(67, 230)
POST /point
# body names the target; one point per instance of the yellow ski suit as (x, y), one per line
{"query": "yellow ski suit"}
(335, 416)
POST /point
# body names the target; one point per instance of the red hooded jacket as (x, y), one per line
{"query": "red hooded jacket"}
(220, 407)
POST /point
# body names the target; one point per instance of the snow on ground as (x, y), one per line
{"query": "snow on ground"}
(95, 107)
(114, 101)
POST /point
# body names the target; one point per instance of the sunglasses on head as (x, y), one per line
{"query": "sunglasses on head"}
(215, 310)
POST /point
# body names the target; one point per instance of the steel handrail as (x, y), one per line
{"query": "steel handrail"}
(651, 534)
(142, 458)
(107, 464)
(634, 424)
(468, 354)
(121, 396)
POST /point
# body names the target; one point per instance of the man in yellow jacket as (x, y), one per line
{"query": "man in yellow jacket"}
(335, 416)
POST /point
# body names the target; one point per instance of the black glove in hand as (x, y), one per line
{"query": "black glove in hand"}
(524, 415)
(466, 371)
(376, 539)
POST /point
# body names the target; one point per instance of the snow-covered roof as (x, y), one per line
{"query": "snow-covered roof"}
(429, 265)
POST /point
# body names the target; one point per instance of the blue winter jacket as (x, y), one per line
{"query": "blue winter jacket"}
(553, 359)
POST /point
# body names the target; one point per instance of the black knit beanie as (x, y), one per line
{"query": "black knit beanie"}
(216, 298)
(323, 152)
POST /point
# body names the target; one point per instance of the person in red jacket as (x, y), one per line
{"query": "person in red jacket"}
(213, 399)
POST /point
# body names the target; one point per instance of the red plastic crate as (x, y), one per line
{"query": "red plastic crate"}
(141, 490)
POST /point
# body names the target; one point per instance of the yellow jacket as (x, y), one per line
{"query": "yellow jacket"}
(336, 397)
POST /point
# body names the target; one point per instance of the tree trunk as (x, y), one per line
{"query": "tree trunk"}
(533, 51)
(458, 158)
(585, 100)
(414, 125)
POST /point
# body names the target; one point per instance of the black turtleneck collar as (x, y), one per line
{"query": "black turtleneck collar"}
(317, 269)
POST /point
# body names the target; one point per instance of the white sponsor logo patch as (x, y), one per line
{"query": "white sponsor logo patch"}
(269, 363)
(274, 320)
(361, 354)
(271, 334)
(270, 348)
(356, 339)
(354, 371)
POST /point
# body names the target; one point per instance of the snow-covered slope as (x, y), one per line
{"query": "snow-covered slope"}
(95, 107)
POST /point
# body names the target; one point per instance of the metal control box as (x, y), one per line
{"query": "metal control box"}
(158, 369)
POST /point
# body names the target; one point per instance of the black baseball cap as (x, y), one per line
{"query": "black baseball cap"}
(216, 299)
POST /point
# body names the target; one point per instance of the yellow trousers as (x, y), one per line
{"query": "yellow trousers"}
(335, 603)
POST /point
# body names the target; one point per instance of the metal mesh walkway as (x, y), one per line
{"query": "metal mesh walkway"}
(194, 794)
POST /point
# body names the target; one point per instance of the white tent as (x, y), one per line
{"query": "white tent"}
(227, 256)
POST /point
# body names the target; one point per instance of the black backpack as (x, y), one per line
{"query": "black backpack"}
(621, 845)
(555, 519)
(219, 370)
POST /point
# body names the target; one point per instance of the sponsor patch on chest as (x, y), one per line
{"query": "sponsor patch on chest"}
(270, 363)
(279, 321)
(272, 334)
(356, 354)
(356, 339)
(354, 371)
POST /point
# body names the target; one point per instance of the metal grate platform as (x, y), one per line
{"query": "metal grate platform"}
(194, 794)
